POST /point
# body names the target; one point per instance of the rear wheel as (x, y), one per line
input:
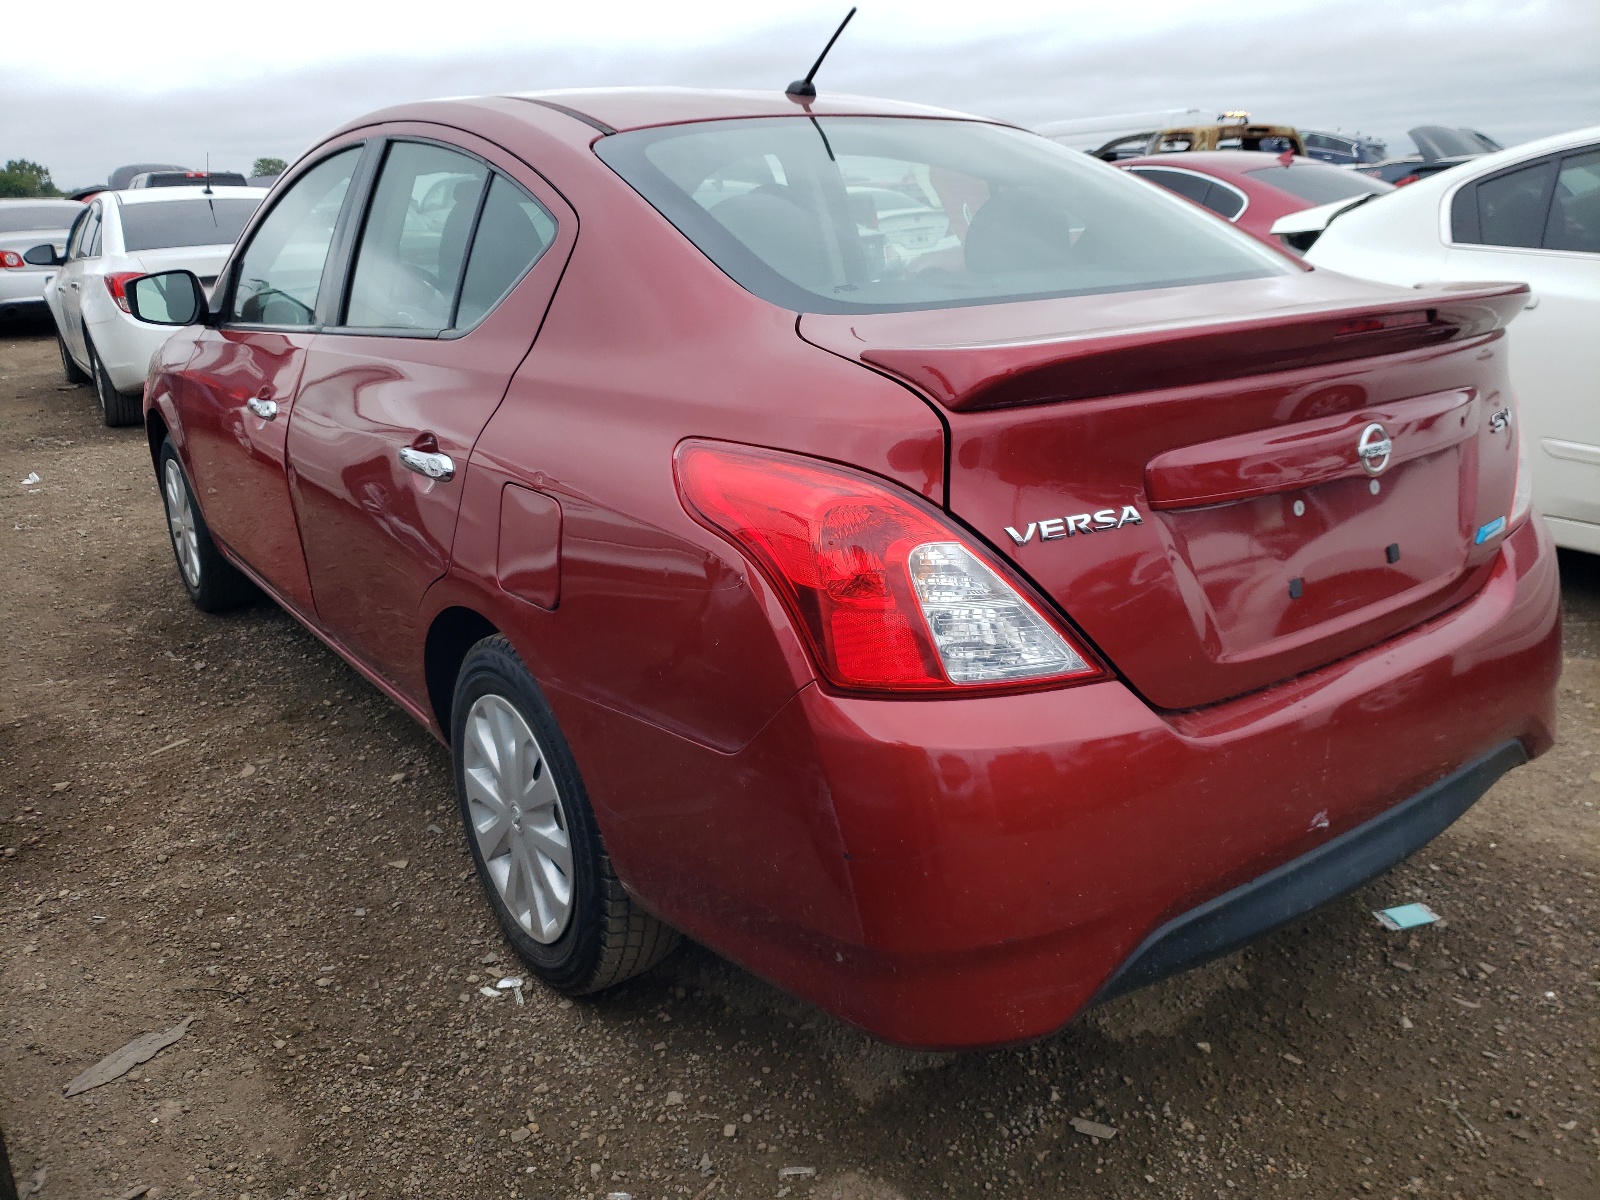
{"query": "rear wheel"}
(69, 367)
(116, 408)
(533, 835)
(213, 583)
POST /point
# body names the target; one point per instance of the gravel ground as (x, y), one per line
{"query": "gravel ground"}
(216, 818)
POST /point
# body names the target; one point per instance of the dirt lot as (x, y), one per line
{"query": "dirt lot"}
(217, 818)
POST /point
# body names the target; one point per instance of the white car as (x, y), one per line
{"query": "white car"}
(120, 236)
(1529, 214)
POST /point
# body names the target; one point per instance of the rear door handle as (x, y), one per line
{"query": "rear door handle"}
(434, 466)
(262, 407)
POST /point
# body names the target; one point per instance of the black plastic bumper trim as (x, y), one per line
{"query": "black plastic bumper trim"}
(1235, 918)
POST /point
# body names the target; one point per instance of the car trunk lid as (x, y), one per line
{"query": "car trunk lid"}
(204, 261)
(1220, 503)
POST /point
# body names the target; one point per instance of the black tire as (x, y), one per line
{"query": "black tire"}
(116, 408)
(607, 937)
(69, 366)
(213, 583)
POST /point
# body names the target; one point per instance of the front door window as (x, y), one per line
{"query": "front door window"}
(280, 274)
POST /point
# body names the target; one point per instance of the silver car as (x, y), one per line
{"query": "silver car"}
(24, 226)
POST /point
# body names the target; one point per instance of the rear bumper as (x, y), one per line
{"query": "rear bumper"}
(1236, 918)
(125, 347)
(972, 872)
(22, 306)
(21, 289)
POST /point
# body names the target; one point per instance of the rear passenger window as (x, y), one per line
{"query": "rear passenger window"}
(513, 233)
(1574, 222)
(1189, 186)
(445, 239)
(408, 265)
(1202, 191)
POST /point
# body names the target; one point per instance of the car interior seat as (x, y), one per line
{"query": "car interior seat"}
(780, 233)
(1019, 230)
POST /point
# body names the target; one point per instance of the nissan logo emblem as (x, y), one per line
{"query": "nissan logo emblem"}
(1374, 448)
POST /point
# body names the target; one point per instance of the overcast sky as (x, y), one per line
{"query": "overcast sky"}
(169, 80)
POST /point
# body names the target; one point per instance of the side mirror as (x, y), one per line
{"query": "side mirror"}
(42, 256)
(167, 298)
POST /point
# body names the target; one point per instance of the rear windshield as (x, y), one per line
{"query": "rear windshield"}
(161, 224)
(17, 218)
(880, 214)
(1319, 183)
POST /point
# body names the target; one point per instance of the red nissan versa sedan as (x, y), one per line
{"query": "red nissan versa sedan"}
(957, 606)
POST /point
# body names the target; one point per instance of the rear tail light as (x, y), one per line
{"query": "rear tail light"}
(117, 284)
(11, 260)
(889, 596)
(1405, 179)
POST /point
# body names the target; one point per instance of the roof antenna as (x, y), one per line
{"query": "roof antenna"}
(208, 191)
(804, 89)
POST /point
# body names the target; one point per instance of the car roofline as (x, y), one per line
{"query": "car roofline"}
(198, 192)
(620, 110)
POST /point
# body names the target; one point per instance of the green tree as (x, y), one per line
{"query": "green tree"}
(23, 178)
(269, 166)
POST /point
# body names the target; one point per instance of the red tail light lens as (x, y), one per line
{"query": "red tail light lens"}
(11, 259)
(889, 596)
(117, 284)
(1405, 179)
(1377, 324)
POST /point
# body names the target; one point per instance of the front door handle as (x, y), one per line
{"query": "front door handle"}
(262, 407)
(434, 466)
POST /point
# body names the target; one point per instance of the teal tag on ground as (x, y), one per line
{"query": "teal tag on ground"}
(1406, 916)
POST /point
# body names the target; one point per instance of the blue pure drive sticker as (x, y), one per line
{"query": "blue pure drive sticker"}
(1485, 532)
(1406, 916)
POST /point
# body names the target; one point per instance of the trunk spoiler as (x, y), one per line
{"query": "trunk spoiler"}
(1315, 220)
(966, 378)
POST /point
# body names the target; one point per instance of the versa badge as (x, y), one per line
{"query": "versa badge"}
(1063, 527)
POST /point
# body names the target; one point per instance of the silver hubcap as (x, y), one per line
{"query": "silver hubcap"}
(516, 815)
(180, 519)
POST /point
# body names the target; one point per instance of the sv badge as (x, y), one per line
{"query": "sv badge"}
(1064, 527)
(1501, 421)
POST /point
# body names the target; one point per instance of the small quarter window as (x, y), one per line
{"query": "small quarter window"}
(1510, 209)
(1223, 201)
(513, 233)
(1574, 222)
